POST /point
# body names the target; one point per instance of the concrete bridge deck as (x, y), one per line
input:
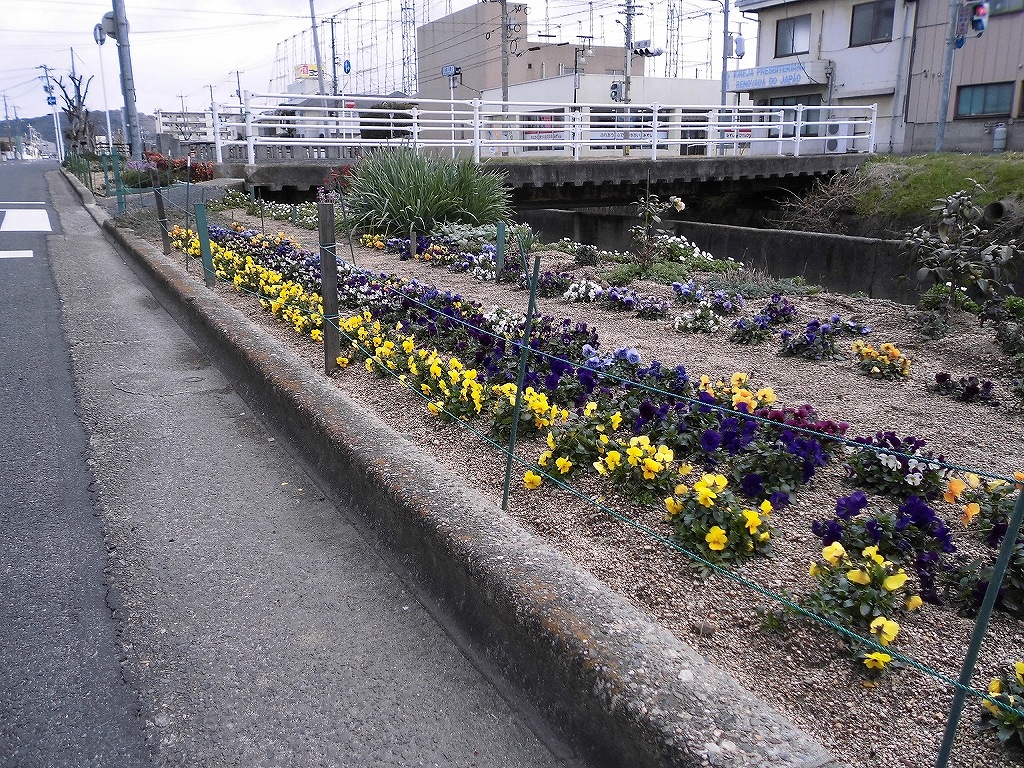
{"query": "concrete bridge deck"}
(544, 183)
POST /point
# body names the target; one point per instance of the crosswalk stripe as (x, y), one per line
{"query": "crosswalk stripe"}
(31, 220)
(15, 254)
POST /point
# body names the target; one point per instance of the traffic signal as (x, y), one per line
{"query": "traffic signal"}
(618, 90)
(979, 17)
(648, 51)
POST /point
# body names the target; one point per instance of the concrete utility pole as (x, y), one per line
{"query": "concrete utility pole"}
(725, 48)
(127, 79)
(947, 74)
(630, 11)
(100, 36)
(58, 138)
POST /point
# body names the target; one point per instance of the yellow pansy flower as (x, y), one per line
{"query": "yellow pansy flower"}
(531, 479)
(858, 576)
(673, 505)
(752, 520)
(833, 553)
(894, 582)
(885, 629)
(876, 660)
(716, 539)
(563, 464)
(913, 602)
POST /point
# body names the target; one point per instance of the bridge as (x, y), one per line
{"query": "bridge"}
(566, 155)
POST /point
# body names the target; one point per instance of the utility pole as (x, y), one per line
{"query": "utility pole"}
(504, 71)
(334, 61)
(100, 36)
(630, 10)
(238, 80)
(947, 74)
(725, 48)
(127, 79)
(52, 101)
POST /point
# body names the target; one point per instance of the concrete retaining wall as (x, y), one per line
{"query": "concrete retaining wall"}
(837, 262)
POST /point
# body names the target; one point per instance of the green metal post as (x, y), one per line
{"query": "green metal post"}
(980, 627)
(499, 259)
(329, 286)
(524, 353)
(104, 159)
(118, 186)
(204, 246)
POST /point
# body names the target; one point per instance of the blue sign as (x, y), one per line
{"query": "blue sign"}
(51, 101)
(347, 66)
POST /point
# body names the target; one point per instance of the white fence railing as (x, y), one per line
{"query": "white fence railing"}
(283, 127)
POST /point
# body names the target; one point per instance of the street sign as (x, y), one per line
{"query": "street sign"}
(449, 70)
(347, 66)
(51, 101)
(99, 34)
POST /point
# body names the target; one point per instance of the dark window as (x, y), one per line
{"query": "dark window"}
(872, 22)
(793, 36)
(809, 115)
(987, 99)
(997, 7)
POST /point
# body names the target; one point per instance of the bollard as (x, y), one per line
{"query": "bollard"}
(161, 217)
(524, 353)
(329, 286)
(499, 257)
(204, 246)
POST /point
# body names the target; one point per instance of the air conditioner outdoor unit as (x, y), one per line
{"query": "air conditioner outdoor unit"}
(837, 138)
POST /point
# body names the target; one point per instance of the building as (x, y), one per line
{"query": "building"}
(470, 39)
(829, 53)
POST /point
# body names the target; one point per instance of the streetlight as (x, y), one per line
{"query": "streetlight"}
(100, 36)
(580, 56)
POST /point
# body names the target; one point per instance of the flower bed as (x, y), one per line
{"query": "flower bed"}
(712, 430)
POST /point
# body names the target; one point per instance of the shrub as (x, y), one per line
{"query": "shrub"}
(942, 295)
(701, 319)
(958, 254)
(396, 191)
(900, 469)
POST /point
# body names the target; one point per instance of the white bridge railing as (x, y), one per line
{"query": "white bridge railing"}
(283, 127)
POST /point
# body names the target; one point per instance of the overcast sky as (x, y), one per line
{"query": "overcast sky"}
(181, 47)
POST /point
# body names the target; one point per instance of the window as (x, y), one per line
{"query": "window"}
(808, 116)
(997, 7)
(987, 99)
(872, 23)
(793, 36)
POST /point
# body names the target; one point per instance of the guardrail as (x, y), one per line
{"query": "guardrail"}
(289, 127)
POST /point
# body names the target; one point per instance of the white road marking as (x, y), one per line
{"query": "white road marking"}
(36, 203)
(15, 254)
(32, 220)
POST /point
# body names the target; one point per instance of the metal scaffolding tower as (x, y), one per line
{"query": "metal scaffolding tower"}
(409, 69)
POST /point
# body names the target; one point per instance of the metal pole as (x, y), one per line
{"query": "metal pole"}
(980, 627)
(947, 75)
(319, 61)
(103, 81)
(127, 79)
(329, 286)
(504, 75)
(524, 353)
(630, 10)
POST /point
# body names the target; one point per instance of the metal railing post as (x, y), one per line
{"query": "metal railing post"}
(415, 112)
(204, 246)
(798, 127)
(476, 130)
(654, 131)
(218, 142)
(874, 123)
(980, 627)
(708, 141)
(329, 286)
(250, 136)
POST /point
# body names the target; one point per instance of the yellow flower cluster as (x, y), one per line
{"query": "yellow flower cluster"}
(736, 392)
(887, 361)
(544, 413)
(997, 688)
(372, 241)
(709, 512)
(288, 301)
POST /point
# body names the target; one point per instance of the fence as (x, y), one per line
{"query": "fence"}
(286, 127)
(394, 293)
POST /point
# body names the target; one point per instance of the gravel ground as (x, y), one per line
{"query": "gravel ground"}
(805, 671)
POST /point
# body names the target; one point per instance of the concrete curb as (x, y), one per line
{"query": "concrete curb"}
(623, 690)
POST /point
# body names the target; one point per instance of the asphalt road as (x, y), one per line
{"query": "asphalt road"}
(249, 623)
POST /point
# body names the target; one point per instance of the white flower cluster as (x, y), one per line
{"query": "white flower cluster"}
(504, 322)
(583, 290)
(702, 319)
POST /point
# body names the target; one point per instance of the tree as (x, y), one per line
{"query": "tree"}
(79, 133)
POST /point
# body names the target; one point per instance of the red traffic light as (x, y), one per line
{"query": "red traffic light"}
(980, 10)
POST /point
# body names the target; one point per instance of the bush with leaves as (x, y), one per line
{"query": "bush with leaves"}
(958, 254)
(886, 362)
(966, 389)
(650, 209)
(900, 469)
(816, 342)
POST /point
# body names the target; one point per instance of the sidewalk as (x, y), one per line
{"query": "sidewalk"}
(259, 626)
